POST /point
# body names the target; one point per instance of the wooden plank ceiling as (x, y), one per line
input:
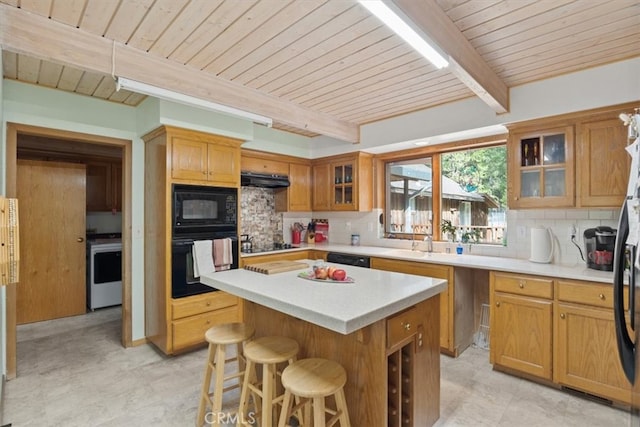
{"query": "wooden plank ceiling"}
(315, 66)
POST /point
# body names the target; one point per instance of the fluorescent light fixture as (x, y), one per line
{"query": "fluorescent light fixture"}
(462, 135)
(404, 30)
(168, 95)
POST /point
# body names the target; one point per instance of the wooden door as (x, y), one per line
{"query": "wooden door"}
(223, 164)
(586, 354)
(300, 189)
(521, 334)
(188, 159)
(321, 187)
(52, 231)
(603, 164)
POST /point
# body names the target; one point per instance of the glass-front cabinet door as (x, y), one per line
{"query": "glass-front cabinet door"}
(542, 169)
(343, 183)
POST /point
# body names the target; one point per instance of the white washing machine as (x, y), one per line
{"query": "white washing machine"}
(104, 273)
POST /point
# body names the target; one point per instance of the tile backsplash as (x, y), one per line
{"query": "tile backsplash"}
(520, 222)
(258, 216)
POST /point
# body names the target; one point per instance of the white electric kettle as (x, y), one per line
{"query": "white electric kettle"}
(542, 245)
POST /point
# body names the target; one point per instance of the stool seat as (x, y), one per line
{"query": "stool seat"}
(229, 333)
(267, 350)
(314, 377)
(310, 382)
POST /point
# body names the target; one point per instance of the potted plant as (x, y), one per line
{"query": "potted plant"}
(448, 229)
(471, 236)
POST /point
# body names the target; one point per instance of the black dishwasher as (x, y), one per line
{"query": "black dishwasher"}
(349, 259)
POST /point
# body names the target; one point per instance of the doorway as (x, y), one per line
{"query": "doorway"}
(91, 144)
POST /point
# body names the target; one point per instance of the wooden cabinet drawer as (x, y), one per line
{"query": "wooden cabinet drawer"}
(190, 331)
(253, 164)
(203, 303)
(402, 326)
(524, 285)
(589, 293)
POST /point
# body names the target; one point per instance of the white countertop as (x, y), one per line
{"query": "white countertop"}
(511, 265)
(340, 307)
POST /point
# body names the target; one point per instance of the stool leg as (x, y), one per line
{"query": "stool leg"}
(341, 405)
(286, 406)
(244, 395)
(204, 395)
(268, 393)
(319, 412)
(221, 357)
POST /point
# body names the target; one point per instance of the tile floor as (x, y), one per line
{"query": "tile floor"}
(74, 372)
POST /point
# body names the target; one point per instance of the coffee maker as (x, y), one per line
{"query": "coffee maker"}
(600, 244)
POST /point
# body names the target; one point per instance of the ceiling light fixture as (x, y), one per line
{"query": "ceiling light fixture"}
(168, 95)
(392, 18)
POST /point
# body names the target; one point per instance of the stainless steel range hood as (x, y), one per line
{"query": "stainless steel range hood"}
(253, 179)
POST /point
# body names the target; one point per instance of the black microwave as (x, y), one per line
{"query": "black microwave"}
(199, 209)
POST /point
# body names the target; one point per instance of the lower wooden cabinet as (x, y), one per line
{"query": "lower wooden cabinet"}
(192, 316)
(447, 298)
(585, 348)
(561, 331)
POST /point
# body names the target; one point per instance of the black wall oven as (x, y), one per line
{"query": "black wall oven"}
(183, 281)
(199, 213)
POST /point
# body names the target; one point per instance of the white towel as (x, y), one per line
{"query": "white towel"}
(203, 257)
(222, 254)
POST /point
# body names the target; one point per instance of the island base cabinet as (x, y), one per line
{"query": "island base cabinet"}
(365, 356)
(586, 354)
(401, 392)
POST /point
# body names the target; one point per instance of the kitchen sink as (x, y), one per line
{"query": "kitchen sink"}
(406, 253)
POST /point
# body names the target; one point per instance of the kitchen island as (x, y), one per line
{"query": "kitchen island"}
(383, 328)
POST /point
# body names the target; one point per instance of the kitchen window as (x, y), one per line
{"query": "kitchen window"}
(463, 188)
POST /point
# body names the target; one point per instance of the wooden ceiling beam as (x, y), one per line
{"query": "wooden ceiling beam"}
(464, 61)
(33, 35)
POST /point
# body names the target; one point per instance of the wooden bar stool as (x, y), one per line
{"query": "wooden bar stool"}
(311, 381)
(267, 352)
(219, 337)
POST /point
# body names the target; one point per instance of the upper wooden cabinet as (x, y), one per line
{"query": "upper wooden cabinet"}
(296, 197)
(602, 163)
(104, 186)
(200, 158)
(343, 183)
(263, 165)
(542, 168)
(545, 173)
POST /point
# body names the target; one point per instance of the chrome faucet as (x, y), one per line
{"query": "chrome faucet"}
(414, 242)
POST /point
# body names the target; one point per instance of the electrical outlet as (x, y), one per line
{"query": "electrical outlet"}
(573, 231)
(522, 231)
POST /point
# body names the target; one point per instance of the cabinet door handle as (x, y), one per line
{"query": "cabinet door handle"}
(498, 304)
(406, 326)
(80, 239)
(562, 315)
(601, 296)
(521, 284)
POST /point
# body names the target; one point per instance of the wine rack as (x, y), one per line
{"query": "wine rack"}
(400, 386)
